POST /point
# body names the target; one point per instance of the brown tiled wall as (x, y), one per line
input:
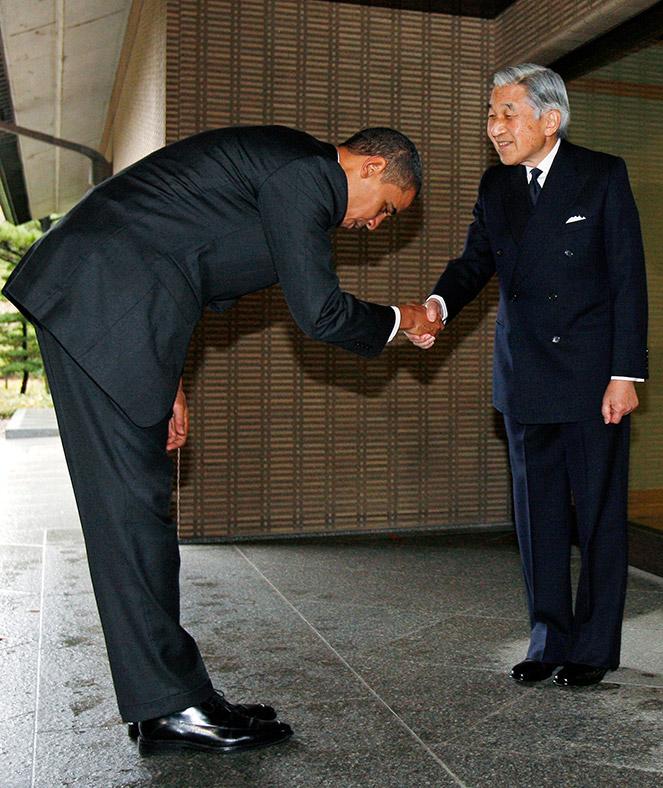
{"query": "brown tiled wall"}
(290, 436)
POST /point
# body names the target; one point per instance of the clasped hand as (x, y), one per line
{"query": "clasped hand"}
(421, 323)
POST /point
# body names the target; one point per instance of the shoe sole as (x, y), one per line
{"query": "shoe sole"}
(133, 732)
(151, 747)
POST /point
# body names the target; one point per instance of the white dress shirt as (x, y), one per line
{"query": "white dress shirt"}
(544, 165)
(397, 324)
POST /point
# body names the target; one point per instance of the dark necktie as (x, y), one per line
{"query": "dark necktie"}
(534, 187)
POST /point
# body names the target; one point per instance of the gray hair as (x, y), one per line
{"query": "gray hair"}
(545, 89)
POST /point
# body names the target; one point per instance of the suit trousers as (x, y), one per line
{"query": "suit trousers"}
(121, 475)
(553, 467)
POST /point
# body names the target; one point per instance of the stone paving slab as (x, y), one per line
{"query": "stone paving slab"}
(389, 659)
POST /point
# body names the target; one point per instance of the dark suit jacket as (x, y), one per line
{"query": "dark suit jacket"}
(122, 279)
(573, 298)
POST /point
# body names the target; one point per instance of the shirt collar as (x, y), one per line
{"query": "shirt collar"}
(545, 164)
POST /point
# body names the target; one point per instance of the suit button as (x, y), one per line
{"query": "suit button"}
(499, 252)
(552, 296)
(556, 339)
(514, 296)
(568, 253)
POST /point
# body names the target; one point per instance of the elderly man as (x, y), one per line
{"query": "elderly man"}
(115, 290)
(559, 225)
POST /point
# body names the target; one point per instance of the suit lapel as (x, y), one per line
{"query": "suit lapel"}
(560, 190)
(517, 211)
(558, 194)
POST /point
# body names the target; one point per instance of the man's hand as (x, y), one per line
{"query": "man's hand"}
(415, 320)
(178, 426)
(434, 316)
(619, 400)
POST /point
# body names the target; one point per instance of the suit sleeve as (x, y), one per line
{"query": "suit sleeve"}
(626, 271)
(466, 276)
(296, 205)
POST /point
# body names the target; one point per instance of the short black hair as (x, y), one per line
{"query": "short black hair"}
(403, 159)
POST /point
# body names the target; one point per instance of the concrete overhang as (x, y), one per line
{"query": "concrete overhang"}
(61, 58)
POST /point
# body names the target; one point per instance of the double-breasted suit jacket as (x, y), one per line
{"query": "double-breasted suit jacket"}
(123, 278)
(573, 298)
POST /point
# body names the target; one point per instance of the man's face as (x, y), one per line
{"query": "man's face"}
(370, 199)
(518, 135)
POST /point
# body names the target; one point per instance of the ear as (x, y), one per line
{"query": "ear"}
(553, 121)
(373, 165)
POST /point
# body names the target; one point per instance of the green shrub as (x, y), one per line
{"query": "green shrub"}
(19, 351)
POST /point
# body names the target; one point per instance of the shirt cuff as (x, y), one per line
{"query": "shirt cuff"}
(443, 306)
(635, 380)
(397, 324)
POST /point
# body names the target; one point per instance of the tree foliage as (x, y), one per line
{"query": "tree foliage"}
(19, 351)
(15, 240)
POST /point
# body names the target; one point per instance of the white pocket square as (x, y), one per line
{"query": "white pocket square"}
(575, 219)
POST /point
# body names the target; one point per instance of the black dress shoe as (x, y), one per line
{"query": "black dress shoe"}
(258, 710)
(532, 670)
(212, 726)
(579, 675)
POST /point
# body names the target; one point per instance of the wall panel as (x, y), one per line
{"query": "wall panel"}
(292, 436)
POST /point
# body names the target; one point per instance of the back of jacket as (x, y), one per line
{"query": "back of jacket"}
(122, 279)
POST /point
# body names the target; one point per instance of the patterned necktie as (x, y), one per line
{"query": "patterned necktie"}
(534, 186)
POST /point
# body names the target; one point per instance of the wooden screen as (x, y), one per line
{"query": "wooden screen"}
(290, 436)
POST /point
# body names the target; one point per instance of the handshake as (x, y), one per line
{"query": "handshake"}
(421, 322)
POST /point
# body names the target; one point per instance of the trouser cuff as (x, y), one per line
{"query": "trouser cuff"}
(168, 704)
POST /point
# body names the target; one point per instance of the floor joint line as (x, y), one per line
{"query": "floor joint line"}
(39, 645)
(357, 675)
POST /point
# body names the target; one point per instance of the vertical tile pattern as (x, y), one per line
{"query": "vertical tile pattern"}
(294, 436)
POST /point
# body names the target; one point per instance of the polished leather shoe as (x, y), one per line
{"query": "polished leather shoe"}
(212, 726)
(532, 670)
(258, 710)
(572, 675)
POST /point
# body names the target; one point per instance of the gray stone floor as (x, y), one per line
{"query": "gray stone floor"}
(388, 658)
